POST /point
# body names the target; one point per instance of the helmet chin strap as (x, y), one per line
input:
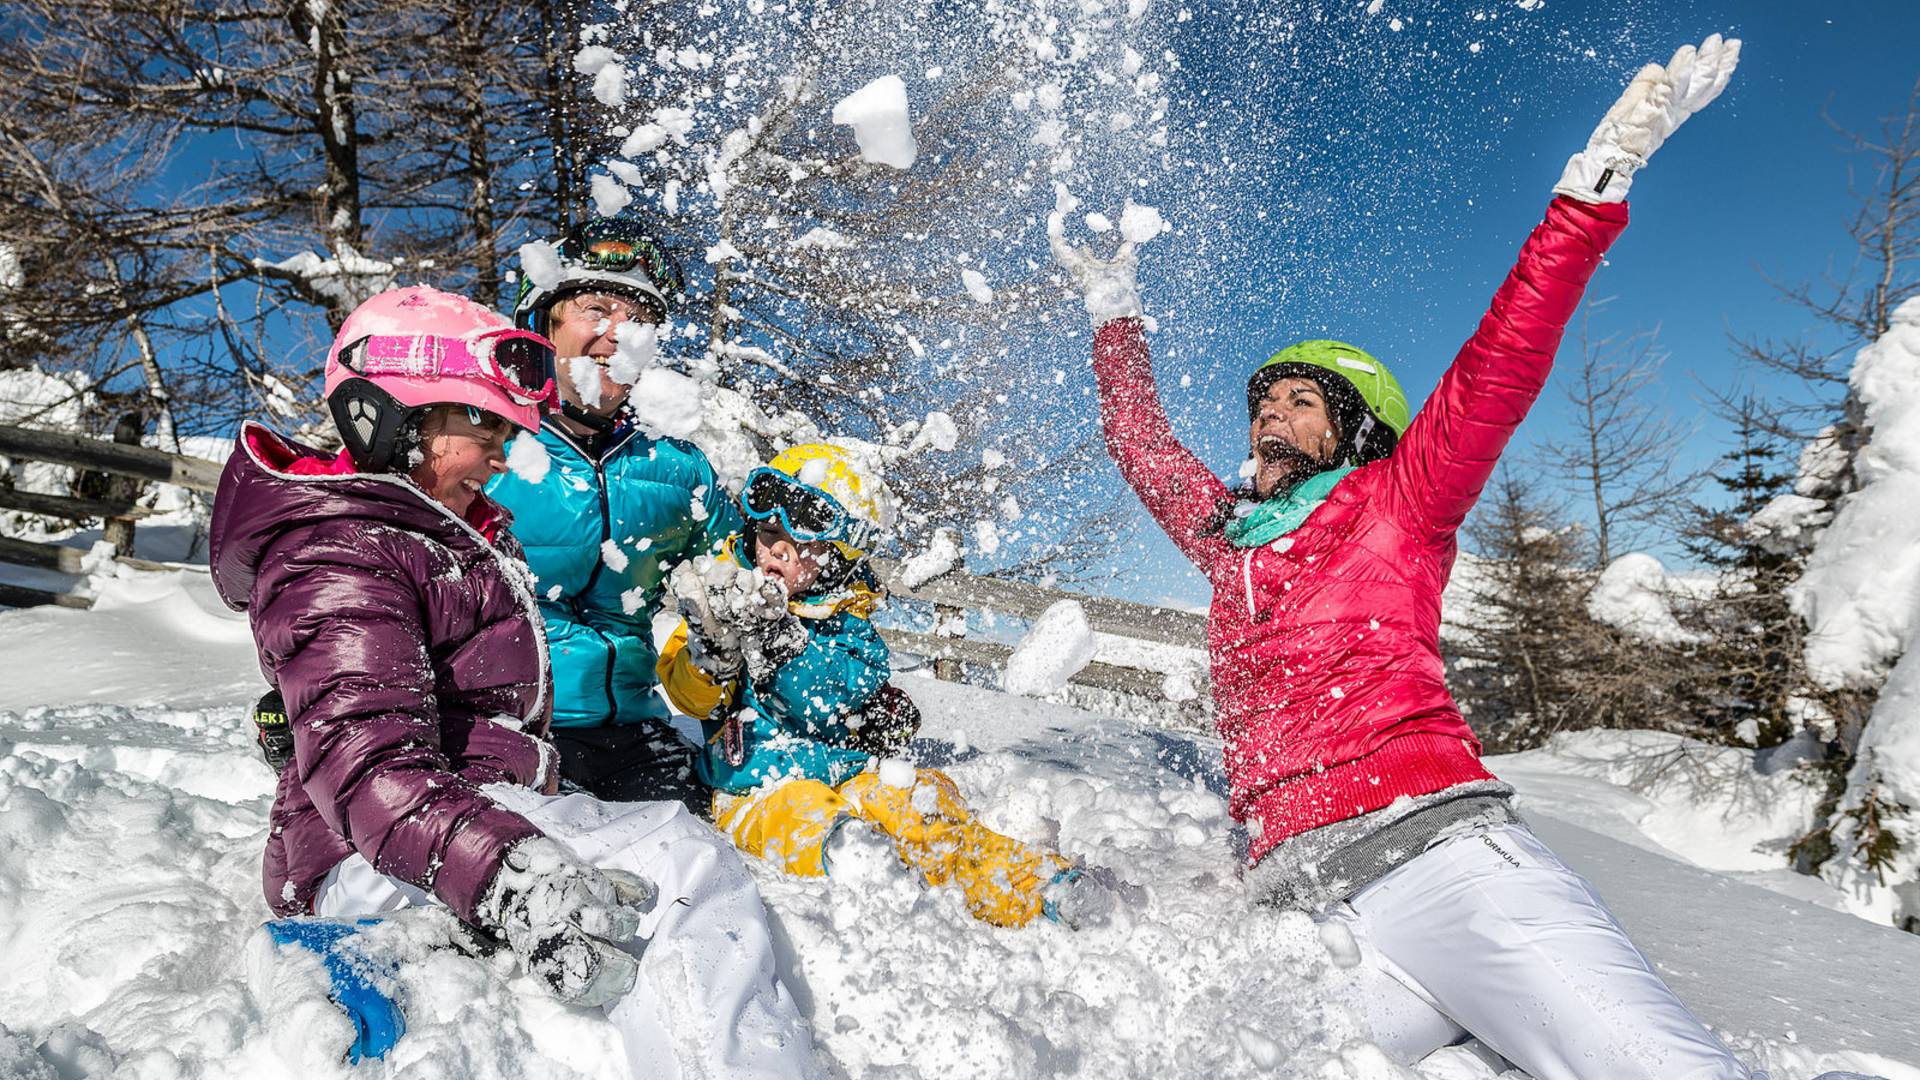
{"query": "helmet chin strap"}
(1360, 436)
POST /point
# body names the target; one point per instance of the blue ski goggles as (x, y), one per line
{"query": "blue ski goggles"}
(804, 511)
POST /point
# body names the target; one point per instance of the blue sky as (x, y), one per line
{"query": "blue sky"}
(1398, 172)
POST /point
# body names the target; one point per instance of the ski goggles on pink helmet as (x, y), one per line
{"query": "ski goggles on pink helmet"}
(516, 363)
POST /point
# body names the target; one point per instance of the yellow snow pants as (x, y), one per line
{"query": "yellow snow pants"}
(933, 831)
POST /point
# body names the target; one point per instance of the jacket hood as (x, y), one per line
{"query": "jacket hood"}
(272, 483)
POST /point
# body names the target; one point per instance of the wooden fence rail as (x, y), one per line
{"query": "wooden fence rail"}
(952, 594)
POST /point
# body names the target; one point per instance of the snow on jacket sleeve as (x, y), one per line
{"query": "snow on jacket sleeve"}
(844, 664)
(1436, 472)
(1179, 491)
(351, 661)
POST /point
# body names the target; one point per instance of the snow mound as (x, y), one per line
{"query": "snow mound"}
(877, 112)
(1058, 646)
(1634, 594)
(130, 840)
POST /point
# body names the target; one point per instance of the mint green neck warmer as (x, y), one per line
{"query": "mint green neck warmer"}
(1282, 514)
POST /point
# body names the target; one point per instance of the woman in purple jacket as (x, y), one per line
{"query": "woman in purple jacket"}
(395, 615)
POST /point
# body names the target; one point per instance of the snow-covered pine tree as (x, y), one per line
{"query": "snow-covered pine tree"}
(1517, 618)
(1756, 691)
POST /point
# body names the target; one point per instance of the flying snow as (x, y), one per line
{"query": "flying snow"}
(877, 112)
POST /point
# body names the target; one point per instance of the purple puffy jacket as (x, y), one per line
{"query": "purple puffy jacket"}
(412, 660)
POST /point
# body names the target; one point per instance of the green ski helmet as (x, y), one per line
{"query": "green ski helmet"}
(1364, 400)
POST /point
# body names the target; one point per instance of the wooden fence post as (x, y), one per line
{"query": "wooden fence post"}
(948, 621)
(118, 531)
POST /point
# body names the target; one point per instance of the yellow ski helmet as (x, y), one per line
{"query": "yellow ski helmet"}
(817, 491)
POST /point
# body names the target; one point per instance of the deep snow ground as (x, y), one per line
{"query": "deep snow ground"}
(132, 808)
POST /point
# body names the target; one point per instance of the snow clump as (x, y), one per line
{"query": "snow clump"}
(976, 285)
(1141, 223)
(540, 261)
(941, 553)
(1634, 594)
(636, 349)
(528, 459)
(610, 196)
(585, 374)
(1058, 646)
(877, 112)
(666, 403)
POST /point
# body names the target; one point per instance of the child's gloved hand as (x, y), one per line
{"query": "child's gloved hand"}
(886, 724)
(771, 644)
(567, 920)
(742, 597)
(712, 646)
(1657, 101)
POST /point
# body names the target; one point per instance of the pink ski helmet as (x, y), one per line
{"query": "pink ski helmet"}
(406, 350)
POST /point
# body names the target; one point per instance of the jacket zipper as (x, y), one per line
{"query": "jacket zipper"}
(606, 534)
(1246, 575)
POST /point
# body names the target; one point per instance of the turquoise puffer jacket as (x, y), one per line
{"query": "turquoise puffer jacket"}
(657, 502)
(799, 720)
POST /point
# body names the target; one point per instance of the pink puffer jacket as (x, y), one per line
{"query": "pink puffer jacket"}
(1325, 644)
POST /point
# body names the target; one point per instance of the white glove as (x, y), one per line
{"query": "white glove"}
(567, 920)
(1658, 100)
(1107, 286)
(741, 597)
(713, 646)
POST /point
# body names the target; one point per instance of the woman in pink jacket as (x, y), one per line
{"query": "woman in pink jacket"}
(1360, 785)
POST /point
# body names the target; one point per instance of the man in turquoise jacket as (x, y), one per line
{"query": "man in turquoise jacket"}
(614, 511)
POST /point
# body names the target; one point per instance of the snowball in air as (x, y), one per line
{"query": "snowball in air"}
(976, 284)
(585, 375)
(541, 263)
(1141, 223)
(610, 196)
(636, 346)
(528, 459)
(666, 403)
(877, 112)
(1058, 646)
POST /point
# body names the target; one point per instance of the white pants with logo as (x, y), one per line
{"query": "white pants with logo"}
(708, 1002)
(1488, 933)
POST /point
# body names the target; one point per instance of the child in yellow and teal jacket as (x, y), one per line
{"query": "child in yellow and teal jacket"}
(778, 659)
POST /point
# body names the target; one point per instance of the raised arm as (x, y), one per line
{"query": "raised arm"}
(1449, 451)
(1181, 493)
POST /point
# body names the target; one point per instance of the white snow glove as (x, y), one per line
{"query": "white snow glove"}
(1658, 100)
(1108, 286)
(567, 920)
(740, 596)
(712, 646)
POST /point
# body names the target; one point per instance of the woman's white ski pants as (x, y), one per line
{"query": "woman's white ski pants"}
(1489, 934)
(708, 1002)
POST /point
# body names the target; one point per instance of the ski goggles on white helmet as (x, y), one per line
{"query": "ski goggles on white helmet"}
(804, 511)
(519, 363)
